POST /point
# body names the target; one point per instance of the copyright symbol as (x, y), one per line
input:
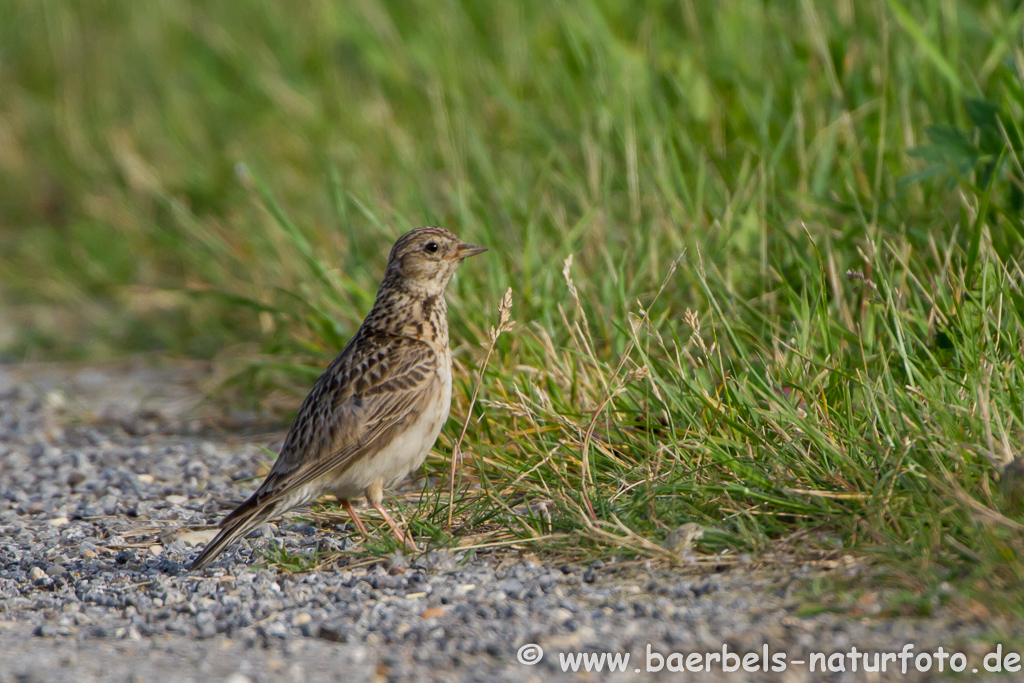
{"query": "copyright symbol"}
(530, 654)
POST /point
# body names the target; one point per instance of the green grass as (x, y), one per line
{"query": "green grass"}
(279, 557)
(794, 308)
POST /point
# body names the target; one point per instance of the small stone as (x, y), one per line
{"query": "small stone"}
(276, 629)
(195, 538)
(36, 573)
(206, 624)
(380, 582)
(176, 499)
(58, 521)
(703, 589)
(561, 615)
(262, 531)
(45, 630)
(462, 590)
(331, 634)
(512, 588)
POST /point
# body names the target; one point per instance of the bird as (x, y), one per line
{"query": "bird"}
(376, 411)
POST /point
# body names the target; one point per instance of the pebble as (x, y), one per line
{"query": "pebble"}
(97, 524)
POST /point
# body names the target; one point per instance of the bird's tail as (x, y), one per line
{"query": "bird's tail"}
(241, 521)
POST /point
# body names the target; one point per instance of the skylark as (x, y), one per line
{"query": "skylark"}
(374, 414)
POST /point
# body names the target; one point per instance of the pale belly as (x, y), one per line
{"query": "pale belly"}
(403, 455)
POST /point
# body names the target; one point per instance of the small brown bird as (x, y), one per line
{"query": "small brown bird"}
(374, 414)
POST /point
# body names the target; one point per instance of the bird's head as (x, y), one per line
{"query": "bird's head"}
(424, 259)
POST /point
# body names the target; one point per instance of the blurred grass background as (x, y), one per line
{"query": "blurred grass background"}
(834, 363)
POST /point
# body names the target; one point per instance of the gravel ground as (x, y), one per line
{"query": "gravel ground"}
(104, 479)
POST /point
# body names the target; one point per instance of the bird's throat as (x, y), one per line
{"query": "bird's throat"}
(405, 312)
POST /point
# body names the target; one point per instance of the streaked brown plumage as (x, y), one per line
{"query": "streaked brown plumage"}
(374, 414)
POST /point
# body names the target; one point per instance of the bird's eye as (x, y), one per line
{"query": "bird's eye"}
(431, 247)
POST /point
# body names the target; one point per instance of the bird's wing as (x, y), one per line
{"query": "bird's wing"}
(374, 385)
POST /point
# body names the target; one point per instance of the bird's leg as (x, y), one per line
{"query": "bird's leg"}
(399, 535)
(375, 494)
(355, 518)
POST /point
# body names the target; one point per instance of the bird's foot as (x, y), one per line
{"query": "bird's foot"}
(396, 531)
(355, 518)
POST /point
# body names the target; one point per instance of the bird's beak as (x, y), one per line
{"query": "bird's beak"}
(467, 250)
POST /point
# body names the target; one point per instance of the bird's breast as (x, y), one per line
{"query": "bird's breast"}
(409, 446)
